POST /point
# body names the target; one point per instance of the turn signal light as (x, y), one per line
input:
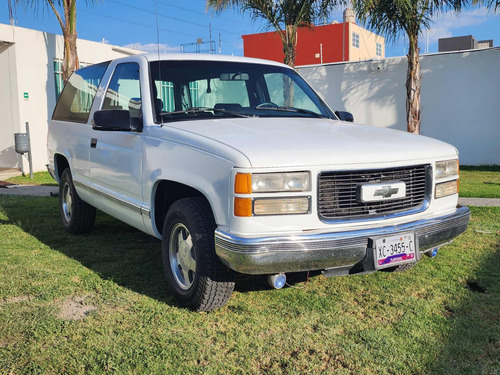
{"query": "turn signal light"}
(243, 207)
(243, 183)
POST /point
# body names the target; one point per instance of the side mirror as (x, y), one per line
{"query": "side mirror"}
(344, 116)
(113, 120)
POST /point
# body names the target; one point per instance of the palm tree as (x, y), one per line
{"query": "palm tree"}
(490, 4)
(394, 17)
(285, 16)
(68, 27)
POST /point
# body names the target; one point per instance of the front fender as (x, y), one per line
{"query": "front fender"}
(206, 173)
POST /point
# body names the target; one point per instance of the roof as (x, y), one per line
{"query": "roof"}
(205, 57)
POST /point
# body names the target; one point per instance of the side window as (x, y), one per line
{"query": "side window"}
(78, 94)
(124, 91)
(284, 92)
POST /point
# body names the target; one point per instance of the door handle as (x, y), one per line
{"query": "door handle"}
(93, 143)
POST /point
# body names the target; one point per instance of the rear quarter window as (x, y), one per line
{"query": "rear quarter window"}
(78, 94)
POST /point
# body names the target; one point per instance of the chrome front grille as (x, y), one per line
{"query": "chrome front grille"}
(338, 192)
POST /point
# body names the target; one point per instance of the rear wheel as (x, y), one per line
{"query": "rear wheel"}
(193, 271)
(77, 216)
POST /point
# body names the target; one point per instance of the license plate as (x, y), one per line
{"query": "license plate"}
(393, 250)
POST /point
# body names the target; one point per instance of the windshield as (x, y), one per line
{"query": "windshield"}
(189, 90)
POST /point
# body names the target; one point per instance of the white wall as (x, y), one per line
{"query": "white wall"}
(27, 65)
(460, 97)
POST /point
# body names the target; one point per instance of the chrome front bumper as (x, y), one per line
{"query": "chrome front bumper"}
(343, 250)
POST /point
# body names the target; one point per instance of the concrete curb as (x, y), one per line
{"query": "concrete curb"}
(479, 202)
(33, 190)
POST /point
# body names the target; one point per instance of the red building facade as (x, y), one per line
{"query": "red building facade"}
(331, 43)
(315, 45)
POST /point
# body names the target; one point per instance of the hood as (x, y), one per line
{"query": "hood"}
(291, 142)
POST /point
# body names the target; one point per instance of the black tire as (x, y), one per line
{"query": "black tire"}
(194, 273)
(77, 216)
(400, 268)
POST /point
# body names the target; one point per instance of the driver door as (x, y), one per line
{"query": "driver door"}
(116, 156)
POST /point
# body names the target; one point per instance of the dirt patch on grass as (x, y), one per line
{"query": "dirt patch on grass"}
(14, 300)
(74, 308)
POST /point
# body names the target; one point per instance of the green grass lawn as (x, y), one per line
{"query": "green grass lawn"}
(39, 178)
(480, 182)
(441, 317)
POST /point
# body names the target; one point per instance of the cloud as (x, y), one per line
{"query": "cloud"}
(445, 23)
(153, 47)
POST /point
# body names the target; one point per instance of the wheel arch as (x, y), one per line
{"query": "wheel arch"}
(60, 164)
(165, 193)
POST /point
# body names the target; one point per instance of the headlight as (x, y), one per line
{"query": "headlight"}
(285, 182)
(446, 188)
(446, 168)
(278, 182)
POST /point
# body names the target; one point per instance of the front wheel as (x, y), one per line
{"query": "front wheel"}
(77, 216)
(193, 271)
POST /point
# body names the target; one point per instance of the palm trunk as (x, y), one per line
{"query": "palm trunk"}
(70, 59)
(413, 86)
(289, 51)
(289, 45)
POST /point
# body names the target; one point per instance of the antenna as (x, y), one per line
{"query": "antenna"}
(210, 31)
(157, 31)
(159, 63)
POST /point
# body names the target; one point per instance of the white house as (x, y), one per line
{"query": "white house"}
(30, 80)
(460, 97)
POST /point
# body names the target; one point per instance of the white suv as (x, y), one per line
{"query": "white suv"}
(238, 166)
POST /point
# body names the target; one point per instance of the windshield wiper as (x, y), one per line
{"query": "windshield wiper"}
(291, 109)
(194, 110)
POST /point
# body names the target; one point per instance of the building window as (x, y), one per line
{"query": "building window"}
(355, 40)
(58, 77)
(378, 51)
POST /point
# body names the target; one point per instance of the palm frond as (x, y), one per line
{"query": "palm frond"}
(410, 17)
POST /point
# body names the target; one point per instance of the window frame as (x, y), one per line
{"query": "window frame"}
(355, 39)
(84, 119)
(156, 67)
(111, 76)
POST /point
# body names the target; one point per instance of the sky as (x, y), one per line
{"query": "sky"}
(182, 22)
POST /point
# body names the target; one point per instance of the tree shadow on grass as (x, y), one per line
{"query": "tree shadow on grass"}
(114, 250)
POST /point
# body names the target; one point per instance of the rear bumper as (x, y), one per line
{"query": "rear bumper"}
(343, 250)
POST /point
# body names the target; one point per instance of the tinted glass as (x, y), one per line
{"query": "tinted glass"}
(186, 90)
(124, 91)
(78, 94)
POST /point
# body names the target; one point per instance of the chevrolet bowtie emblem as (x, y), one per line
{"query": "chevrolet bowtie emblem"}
(385, 192)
